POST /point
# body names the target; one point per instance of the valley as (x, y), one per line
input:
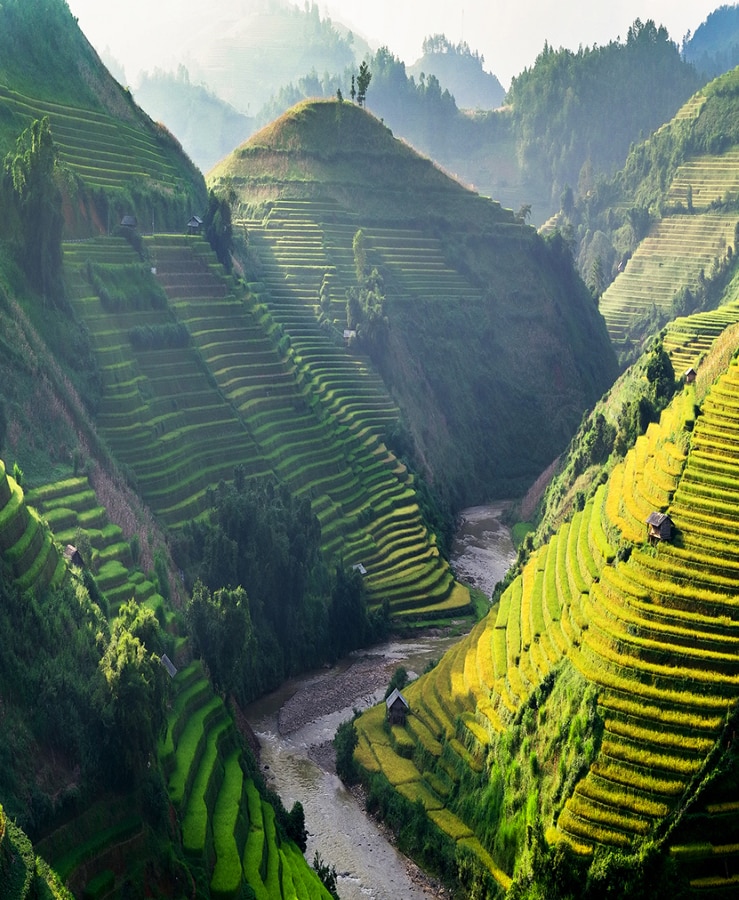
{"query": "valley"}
(243, 417)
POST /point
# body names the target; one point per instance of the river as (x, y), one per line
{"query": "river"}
(296, 724)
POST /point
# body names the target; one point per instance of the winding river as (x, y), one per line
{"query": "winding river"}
(296, 724)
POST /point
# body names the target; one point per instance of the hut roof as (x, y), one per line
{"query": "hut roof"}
(168, 665)
(129, 221)
(657, 519)
(396, 695)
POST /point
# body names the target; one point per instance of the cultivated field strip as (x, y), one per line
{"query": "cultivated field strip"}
(705, 180)
(184, 417)
(402, 563)
(228, 831)
(161, 412)
(675, 254)
(689, 338)
(27, 547)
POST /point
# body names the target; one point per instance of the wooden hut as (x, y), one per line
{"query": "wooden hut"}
(73, 556)
(129, 222)
(397, 708)
(659, 527)
(690, 375)
(194, 225)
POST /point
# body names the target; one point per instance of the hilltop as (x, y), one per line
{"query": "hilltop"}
(442, 262)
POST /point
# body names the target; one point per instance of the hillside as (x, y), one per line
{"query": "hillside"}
(115, 160)
(714, 47)
(595, 706)
(432, 259)
(460, 71)
(664, 228)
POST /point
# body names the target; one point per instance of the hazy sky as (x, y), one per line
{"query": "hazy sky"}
(509, 33)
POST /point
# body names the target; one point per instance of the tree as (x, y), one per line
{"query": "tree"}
(363, 81)
(222, 630)
(32, 172)
(345, 741)
(661, 375)
(131, 706)
(399, 681)
(218, 228)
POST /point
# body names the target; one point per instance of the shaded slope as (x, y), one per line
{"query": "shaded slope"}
(602, 684)
(484, 319)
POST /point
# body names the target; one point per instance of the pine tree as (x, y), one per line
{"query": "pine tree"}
(363, 80)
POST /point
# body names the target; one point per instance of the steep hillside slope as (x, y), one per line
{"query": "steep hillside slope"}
(467, 314)
(598, 702)
(196, 385)
(118, 161)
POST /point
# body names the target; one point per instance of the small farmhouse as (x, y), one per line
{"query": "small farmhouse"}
(659, 527)
(194, 225)
(397, 708)
(129, 222)
(73, 556)
(690, 375)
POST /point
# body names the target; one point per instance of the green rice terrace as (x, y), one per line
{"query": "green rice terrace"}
(197, 383)
(349, 230)
(685, 177)
(74, 515)
(228, 829)
(679, 252)
(637, 640)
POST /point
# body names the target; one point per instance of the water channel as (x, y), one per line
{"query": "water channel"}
(296, 724)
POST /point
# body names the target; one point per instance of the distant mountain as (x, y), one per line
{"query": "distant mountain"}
(714, 48)
(249, 52)
(460, 71)
(207, 126)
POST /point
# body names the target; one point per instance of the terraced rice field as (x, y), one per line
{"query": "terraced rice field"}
(26, 543)
(105, 152)
(161, 412)
(706, 179)
(672, 256)
(184, 417)
(227, 827)
(689, 338)
(71, 509)
(654, 629)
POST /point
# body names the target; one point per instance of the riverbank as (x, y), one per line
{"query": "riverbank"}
(295, 727)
